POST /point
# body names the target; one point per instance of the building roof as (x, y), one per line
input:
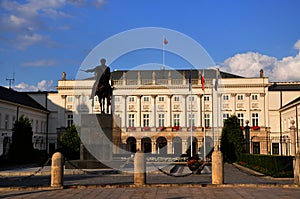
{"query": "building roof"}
(173, 74)
(285, 86)
(295, 101)
(19, 98)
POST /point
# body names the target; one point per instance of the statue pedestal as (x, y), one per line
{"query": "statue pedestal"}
(96, 134)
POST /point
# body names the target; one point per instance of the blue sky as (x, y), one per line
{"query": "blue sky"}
(39, 39)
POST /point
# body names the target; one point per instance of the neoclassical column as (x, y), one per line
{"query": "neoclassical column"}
(200, 109)
(170, 146)
(139, 98)
(184, 123)
(153, 143)
(233, 95)
(170, 109)
(153, 103)
(249, 104)
(125, 110)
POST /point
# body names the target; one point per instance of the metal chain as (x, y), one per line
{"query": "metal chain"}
(170, 174)
(29, 176)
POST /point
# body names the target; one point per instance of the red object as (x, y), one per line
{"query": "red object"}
(255, 128)
(161, 128)
(202, 82)
(176, 128)
(146, 128)
(165, 41)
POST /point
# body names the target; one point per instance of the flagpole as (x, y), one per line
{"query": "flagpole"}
(204, 140)
(191, 128)
(163, 52)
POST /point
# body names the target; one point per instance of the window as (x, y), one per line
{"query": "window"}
(206, 98)
(254, 119)
(176, 119)
(161, 119)
(131, 99)
(225, 97)
(161, 99)
(131, 120)
(275, 148)
(146, 99)
(240, 117)
(69, 120)
(6, 121)
(146, 119)
(176, 99)
(225, 117)
(192, 120)
(13, 120)
(207, 120)
(36, 126)
(254, 97)
(191, 98)
(240, 97)
(70, 99)
(256, 148)
(117, 99)
(83, 98)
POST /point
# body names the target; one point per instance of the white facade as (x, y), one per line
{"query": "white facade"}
(157, 109)
(10, 112)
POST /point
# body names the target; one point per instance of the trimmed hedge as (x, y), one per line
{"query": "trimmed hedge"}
(275, 166)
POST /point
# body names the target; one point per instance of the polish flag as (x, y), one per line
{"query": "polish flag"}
(165, 41)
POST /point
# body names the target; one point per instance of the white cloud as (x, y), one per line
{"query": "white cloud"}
(26, 20)
(297, 45)
(22, 41)
(41, 86)
(249, 64)
(39, 63)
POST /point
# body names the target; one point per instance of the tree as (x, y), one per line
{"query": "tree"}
(70, 142)
(21, 149)
(232, 140)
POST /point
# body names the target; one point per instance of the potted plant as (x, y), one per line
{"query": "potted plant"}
(161, 128)
(255, 128)
(131, 128)
(175, 128)
(146, 128)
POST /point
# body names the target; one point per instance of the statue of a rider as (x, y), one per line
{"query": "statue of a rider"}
(102, 87)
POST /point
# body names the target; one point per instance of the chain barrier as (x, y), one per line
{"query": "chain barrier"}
(170, 174)
(29, 176)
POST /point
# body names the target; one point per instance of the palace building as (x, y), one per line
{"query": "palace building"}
(163, 111)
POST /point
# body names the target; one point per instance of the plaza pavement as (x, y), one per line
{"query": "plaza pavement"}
(238, 183)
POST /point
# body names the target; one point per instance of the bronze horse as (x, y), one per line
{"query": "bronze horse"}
(104, 91)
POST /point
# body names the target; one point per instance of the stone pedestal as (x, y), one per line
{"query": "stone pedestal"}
(297, 169)
(96, 134)
(139, 169)
(57, 170)
(217, 167)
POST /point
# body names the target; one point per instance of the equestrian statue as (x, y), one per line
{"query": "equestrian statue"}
(102, 87)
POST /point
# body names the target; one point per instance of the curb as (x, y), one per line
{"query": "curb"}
(149, 186)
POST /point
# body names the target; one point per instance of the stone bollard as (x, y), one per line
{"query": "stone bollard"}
(139, 169)
(297, 169)
(57, 170)
(217, 167)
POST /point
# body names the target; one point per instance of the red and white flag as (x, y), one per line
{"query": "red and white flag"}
(203, 81)
(165, 41)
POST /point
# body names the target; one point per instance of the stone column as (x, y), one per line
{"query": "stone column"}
(139, 169)
(293, 138)
(297, 169)
(217, 167)
(169, 146)
(57, 170)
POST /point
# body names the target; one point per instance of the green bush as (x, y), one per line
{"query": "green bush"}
(275, 166)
